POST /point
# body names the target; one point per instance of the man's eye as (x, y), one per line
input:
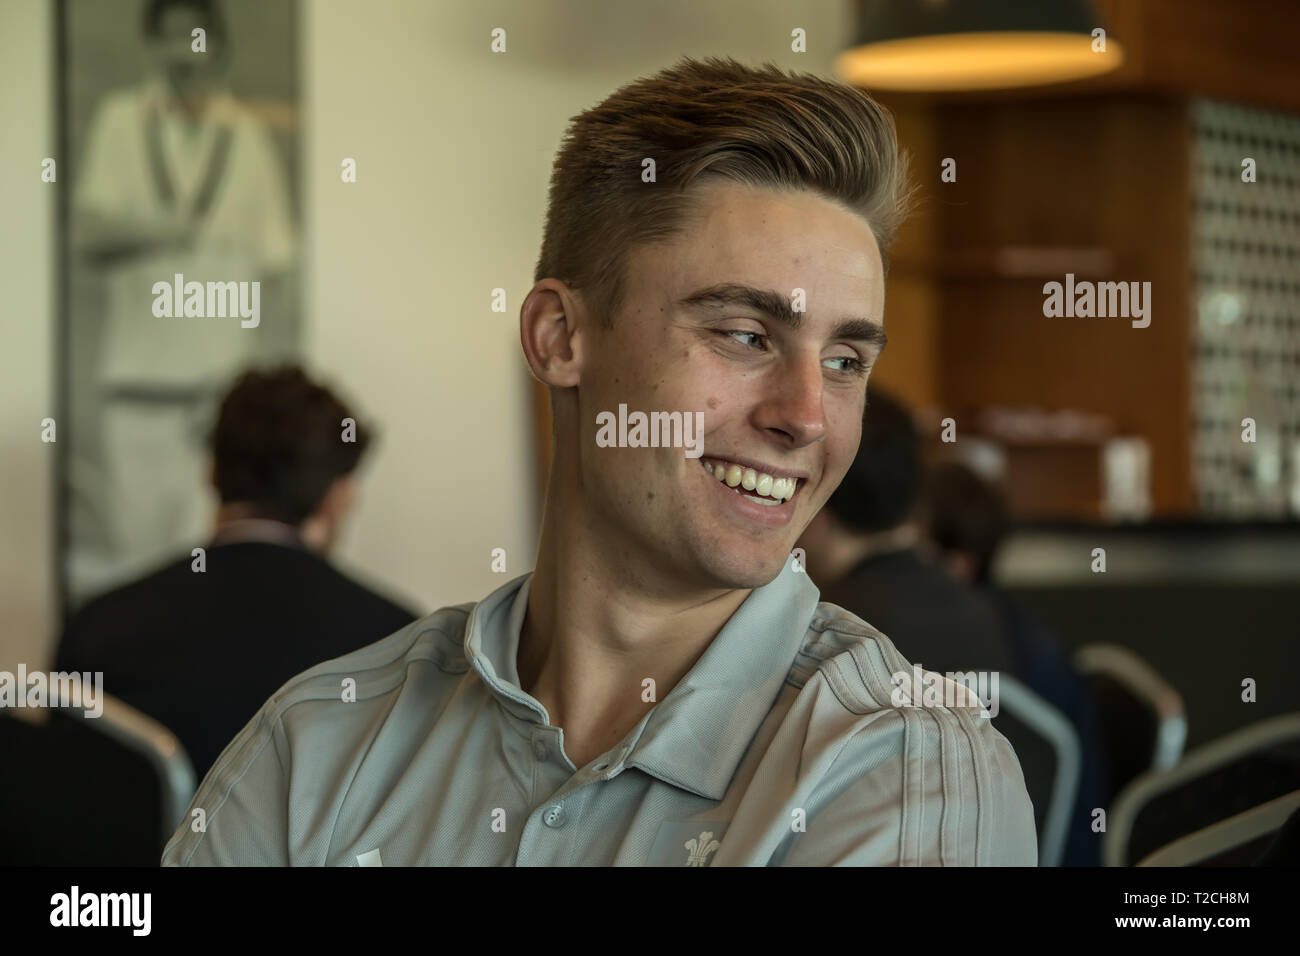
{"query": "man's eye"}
(852, 365)
(753, 335)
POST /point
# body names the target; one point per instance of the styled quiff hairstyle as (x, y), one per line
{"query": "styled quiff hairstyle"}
(704, 120)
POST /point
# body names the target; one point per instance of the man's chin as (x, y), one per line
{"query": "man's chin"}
(739, 575)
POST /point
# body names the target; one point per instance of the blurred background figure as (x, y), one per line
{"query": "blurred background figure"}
(176, 178)
(966, 518)
(202, 643)
(864, 551)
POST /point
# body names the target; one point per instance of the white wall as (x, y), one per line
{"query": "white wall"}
(27, 208)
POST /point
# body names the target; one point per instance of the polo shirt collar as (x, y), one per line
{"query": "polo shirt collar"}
(492, 645)
(696, 736)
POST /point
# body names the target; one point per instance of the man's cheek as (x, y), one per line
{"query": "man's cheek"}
(829, 481)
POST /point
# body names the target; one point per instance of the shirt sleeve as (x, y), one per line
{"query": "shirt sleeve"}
(239, 817)
(950, 793)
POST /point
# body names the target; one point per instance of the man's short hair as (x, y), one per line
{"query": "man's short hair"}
(278, 443)
(884, 482)
(965, 513)
(205, 10)
(704, 120)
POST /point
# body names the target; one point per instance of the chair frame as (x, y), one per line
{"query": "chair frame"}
(159, 746)
(1025, 705)
(1233, 746)
(1227, 834)
(1146, 684)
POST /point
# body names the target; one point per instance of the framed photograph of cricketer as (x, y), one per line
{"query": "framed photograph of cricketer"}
(178, 146)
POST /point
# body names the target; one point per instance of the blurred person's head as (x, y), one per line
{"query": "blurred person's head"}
(873, 508)
(965, 517)
(279, 453)
(168, 28)
(671, 289)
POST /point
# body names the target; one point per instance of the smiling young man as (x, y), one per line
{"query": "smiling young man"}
(664, 688)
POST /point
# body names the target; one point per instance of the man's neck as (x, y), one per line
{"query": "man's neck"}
(238, 523)
(594, 633)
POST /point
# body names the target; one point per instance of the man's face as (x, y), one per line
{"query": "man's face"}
(781, 399)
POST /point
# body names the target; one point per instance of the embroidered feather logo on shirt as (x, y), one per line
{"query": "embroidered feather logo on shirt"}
(700, 847)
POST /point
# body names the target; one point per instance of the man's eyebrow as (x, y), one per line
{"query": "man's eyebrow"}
(777, 306)
(862, 330)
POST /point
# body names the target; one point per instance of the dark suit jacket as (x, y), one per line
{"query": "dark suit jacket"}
(932, 619)
(201, 652)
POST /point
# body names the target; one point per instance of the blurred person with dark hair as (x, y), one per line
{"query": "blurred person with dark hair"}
(200, 644)
(966, 518)
(865, 551)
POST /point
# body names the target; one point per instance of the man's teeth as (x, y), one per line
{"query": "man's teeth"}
(761, 483)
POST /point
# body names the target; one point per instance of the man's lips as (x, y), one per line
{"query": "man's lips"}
(761, 467)
(748, 503)
(776, 484)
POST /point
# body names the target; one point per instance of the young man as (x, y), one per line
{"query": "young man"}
(664, 688)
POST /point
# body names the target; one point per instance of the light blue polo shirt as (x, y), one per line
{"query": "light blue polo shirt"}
(781, 746)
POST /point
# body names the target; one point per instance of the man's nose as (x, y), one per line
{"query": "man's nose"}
(793, 401)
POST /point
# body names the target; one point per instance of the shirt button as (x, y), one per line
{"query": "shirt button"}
(541, 750)
(554, 816)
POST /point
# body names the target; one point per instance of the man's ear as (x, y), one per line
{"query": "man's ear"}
(551, 323)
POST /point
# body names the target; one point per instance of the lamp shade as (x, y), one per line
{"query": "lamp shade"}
(950, 45)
